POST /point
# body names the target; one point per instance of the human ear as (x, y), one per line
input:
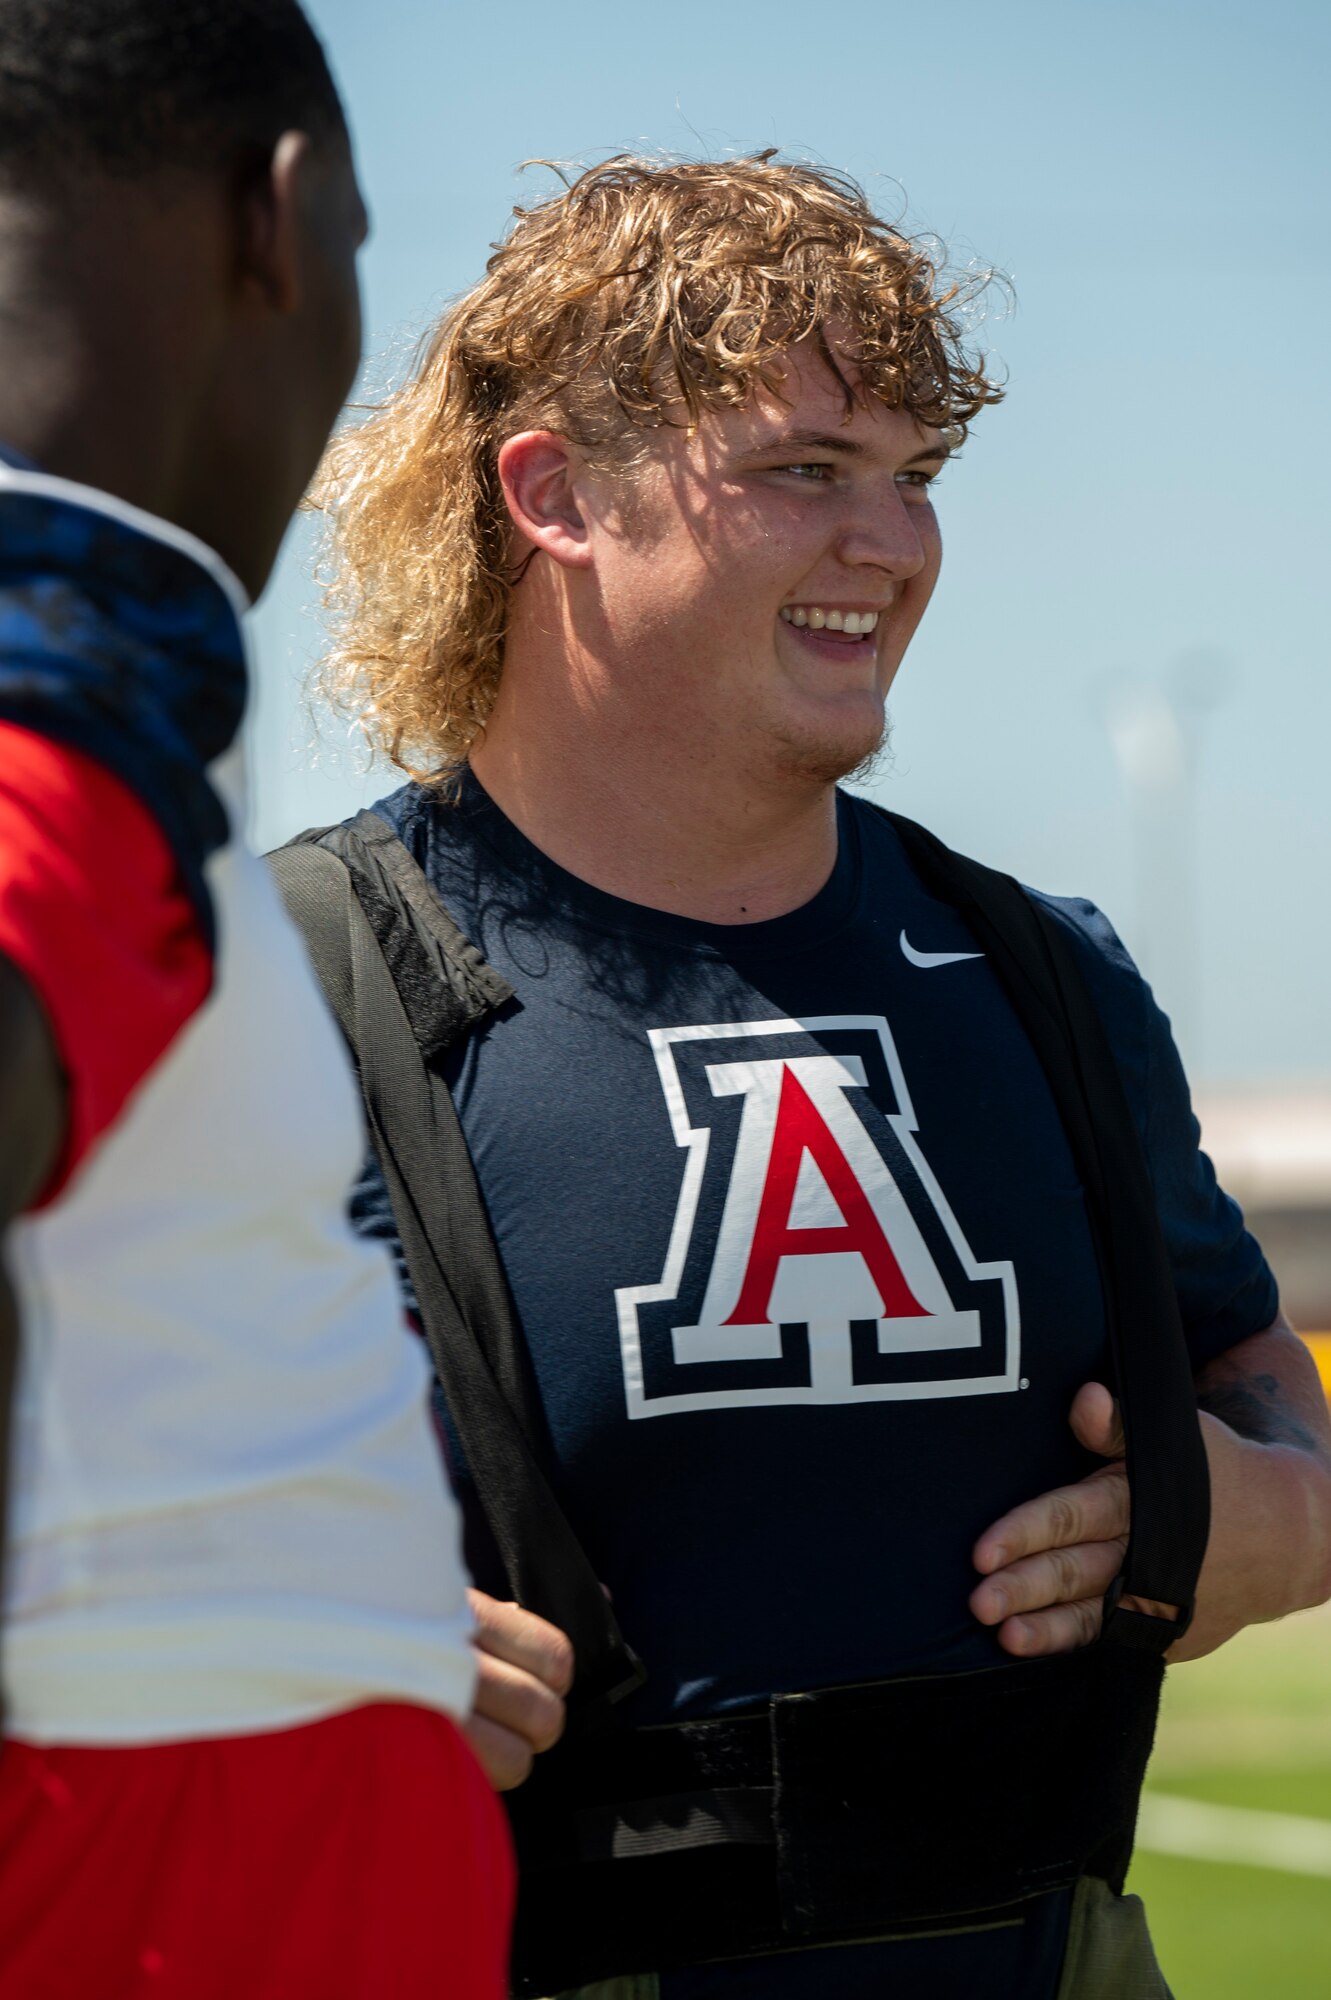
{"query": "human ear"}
(270, 211)
(537, 470)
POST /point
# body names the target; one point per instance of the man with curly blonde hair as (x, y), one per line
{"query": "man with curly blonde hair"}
(829, 1174)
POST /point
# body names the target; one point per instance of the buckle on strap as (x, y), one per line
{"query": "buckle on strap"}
(1124, 1627)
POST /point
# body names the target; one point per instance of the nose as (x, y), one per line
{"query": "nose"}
(884, 530)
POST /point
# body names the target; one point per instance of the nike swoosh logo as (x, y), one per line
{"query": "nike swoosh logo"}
(926, 959)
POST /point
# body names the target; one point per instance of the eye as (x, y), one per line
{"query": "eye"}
(919, 482)
(811, 469)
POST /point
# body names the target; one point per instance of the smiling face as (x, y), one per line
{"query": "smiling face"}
(758, 582)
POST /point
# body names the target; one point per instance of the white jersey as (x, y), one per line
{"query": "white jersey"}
(228, 1505)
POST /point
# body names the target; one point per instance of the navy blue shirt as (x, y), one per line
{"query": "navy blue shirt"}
(799, 1250)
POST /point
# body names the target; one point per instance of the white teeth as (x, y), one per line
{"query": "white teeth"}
(854, 622)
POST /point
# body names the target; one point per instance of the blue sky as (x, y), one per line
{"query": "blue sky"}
(1153, 175)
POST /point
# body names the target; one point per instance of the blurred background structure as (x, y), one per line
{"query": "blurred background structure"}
(1122, 689)
(1272, 1149)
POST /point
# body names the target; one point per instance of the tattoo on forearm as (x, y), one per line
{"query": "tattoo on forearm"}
(1253, 1408)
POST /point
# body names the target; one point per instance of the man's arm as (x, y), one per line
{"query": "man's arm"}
(32, 1118)
(1046, 1565)
(1268, 1440)
(32, 1095)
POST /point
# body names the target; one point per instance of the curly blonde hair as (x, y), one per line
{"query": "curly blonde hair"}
(645, 292)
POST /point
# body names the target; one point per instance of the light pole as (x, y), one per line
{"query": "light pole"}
(1155, 730)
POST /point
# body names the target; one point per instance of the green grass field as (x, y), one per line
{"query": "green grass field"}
(1250, 1728)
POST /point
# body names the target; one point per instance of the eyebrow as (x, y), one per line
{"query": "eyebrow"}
(800, 440)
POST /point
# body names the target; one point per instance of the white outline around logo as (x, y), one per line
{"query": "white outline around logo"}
(695, 1142)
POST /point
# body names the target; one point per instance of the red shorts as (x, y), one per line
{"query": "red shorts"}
(364, 1857)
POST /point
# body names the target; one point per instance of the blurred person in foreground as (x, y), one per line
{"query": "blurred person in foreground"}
(236, 1644)
(811, 1275)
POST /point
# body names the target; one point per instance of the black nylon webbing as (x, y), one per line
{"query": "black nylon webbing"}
(461, 1240)
(433, 1190)
(1166, 1458)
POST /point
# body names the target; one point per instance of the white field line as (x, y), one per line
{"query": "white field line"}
(1171, 1825)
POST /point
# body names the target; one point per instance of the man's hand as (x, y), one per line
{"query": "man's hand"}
(1047, 1564)
(526, 1669)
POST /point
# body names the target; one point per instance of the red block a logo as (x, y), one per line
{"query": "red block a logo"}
(834, 1247)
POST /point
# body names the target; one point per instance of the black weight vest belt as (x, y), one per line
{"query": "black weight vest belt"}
(925, 1803)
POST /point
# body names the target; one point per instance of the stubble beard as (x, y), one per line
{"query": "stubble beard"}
(820, 765)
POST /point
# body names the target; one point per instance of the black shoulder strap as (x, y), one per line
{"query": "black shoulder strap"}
(1166, 1458)
(449, 1248)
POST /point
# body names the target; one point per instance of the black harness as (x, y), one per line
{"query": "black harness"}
(924, 1803)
